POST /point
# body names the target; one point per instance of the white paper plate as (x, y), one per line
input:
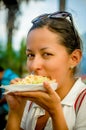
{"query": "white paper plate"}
(30, 87)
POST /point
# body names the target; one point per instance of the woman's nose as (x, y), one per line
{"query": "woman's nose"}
(36, 64)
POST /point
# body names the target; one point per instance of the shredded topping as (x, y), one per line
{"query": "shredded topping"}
(34, 79)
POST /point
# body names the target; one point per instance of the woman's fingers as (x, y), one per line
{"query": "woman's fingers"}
(48, 87)
(14, 100)
(15, 80)
(42, 98)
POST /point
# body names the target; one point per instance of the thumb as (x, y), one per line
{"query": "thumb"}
(48, 87)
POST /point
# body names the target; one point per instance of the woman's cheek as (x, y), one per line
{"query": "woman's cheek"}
(28, 65)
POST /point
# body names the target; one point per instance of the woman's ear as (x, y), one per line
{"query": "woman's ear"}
(76, 57)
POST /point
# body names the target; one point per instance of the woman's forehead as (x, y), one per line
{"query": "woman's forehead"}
(43, 35)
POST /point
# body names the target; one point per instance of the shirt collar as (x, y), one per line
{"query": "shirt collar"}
(70, 98)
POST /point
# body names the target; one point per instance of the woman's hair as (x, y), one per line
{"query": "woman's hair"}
(62, 26)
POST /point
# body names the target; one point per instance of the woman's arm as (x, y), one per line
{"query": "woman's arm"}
(17, 105)
(13, 122)
(58, 119)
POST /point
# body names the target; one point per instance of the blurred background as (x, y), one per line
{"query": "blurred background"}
(15, 22)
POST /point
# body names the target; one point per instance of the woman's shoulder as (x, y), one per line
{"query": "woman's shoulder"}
(79, 84)
(81, 99)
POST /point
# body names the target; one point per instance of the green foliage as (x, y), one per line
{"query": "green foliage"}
(16, 60)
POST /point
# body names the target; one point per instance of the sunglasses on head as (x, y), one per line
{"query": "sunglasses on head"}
(56, 15)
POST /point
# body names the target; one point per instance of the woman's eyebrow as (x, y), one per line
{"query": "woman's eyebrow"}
(44, 48)
(40, 49)
(29, 50)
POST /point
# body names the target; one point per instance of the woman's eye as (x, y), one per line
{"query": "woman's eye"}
(30, 56)
(47, 55)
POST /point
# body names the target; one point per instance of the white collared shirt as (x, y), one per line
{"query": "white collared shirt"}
(74, 122)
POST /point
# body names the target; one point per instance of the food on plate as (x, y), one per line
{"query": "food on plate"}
(30, 83)
(34, 79)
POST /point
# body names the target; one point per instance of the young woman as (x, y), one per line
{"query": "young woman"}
(53, 50)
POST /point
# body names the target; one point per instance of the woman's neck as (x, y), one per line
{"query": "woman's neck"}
(64, 89)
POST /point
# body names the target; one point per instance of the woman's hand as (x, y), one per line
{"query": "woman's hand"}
(16, 103)
(49, 100)
(13, 81)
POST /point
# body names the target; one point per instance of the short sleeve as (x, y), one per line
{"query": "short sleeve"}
(80, 123)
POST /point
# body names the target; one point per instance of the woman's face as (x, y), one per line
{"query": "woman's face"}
(45, 55)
